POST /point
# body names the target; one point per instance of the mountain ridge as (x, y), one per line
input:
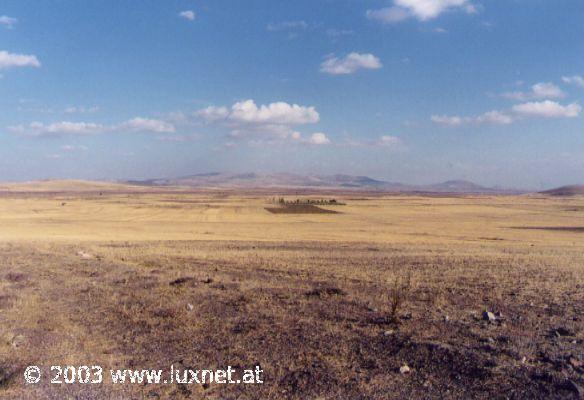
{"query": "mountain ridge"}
(289, 180)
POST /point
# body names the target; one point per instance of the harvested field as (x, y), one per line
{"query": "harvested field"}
(115, 280)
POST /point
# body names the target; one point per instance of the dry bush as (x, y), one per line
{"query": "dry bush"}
(398, 295)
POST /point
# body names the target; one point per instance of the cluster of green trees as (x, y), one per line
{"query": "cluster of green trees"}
(322, 202)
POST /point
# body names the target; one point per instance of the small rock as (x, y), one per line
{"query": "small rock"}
(446, 318)
(523, 360)
(18, 341)
(388, 333)
(190, 307)
(404, 369)
(84, 255)
(489, 316)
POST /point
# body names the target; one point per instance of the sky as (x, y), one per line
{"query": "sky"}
(414, 91)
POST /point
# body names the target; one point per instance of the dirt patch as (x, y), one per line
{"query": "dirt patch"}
(300, 209)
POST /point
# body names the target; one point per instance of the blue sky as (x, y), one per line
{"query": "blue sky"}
(416, 91)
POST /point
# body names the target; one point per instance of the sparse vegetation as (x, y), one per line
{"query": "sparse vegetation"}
(218, 281)
(398, 295)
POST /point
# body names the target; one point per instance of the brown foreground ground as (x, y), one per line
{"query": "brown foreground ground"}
(211, 279)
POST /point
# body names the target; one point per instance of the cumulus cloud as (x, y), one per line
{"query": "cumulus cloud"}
(246, 118)
(350, 64)
(494, 118)
(7, 22)
(542, 90)
(11, 60)
(188, 15)
(56, 129)
(213, 114)
(148, 125)
(279, 113)
(548, 109)
(422, 10)
(574, 80)
(319, 138)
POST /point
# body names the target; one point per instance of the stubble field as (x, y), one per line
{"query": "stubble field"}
(139, 278)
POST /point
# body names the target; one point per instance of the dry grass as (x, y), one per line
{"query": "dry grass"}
(210, 280)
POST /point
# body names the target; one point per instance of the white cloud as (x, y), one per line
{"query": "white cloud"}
(388, 141)
(71, 148)
(429, 9)
(63, 128)
(279, 113)
(547, 91)
(388, 15)
(574, 80)
(80, 110)
(349, 64)
(213, 114)
(287, 25)
(7, 22)
(269, 130)
(319, 138)
(548, 109)
(178, 138)
(188, 15)
(422, 10)
(10, 60)
(545, 109)
(246, 119)
(542, 90)
(488, 118)
(337, 33)
(295, 136)
(494, 118)
(68, 128)
(447, 120)
(148, 125)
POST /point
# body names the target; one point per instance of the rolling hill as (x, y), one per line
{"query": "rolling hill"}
(571, 190)
(339, 181)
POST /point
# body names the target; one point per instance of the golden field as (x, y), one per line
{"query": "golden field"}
(135, 277)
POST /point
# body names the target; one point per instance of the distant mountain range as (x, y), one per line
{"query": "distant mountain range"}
(286, 180)
(572, 190)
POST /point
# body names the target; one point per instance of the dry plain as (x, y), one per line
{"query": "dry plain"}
(135, 277)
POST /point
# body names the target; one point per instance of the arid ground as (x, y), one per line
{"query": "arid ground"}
(330, 305)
